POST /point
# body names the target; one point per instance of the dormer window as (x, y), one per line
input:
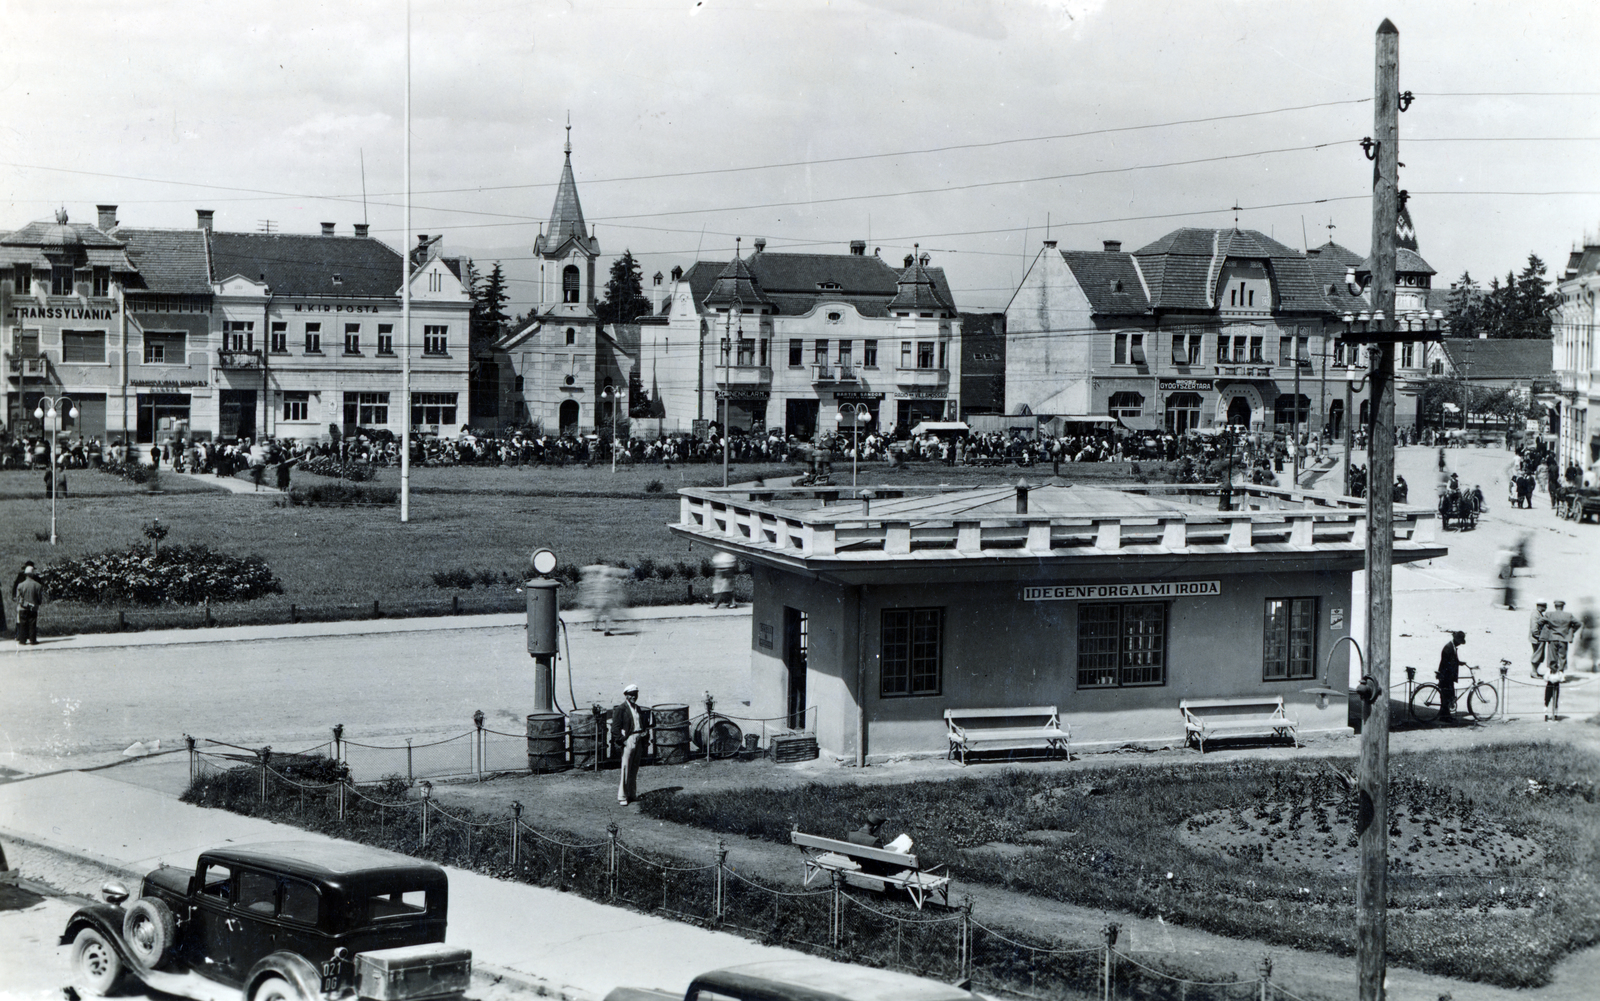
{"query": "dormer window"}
(830, 286)
(1116, 285)
(338, 279)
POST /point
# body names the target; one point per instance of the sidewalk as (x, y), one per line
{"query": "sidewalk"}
(232, 484)
(559, 943)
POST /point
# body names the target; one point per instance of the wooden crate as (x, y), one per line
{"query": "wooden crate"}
(785, 747)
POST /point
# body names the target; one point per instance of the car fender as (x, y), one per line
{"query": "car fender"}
(103, 918)
(291, 966)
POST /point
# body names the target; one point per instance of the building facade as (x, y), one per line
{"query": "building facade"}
(781, 340)
(1573, 350)
(161, 334)
(872, 615)
(1200, 328)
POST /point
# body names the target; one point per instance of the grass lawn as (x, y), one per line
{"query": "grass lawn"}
(1494, 851)
(334, 562)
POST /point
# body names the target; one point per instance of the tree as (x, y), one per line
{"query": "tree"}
(1518, 307)
(1465, 303)
(488, 303)
(624, 300)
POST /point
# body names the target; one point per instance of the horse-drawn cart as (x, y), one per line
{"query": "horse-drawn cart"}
(1461, 508)
(1578, 503)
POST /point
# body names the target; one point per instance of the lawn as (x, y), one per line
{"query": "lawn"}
(334, 562)
(1493, 856)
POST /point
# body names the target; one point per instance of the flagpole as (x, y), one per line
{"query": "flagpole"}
(405, 304)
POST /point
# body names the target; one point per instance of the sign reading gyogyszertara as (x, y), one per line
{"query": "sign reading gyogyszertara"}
(1157, 589)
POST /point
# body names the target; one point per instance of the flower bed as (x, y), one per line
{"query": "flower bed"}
(133, 472)
(139, 575)
(342, 495)
(324, 465)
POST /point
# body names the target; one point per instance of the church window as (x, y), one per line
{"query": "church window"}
(569, 283)
(572, 336)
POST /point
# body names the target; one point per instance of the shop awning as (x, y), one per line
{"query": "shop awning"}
(1142, 423)
(1087, 419)
(940, 427)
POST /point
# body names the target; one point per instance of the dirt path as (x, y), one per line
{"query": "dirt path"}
(585, 804)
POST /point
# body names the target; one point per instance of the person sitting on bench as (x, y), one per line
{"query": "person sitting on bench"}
(870, 835)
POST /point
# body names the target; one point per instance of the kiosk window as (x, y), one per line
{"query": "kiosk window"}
(1290, 647)
(911, 640)
(1122, 645)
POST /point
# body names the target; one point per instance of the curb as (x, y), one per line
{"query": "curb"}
(484, 974)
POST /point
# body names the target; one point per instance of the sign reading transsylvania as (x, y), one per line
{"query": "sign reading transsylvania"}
(1158, 589)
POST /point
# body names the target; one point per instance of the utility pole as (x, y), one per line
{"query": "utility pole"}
(1372, 819)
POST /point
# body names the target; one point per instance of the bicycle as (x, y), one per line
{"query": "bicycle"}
(1479, 699)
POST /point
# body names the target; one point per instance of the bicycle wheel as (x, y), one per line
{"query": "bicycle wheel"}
(1483, 701)
(1425, 703)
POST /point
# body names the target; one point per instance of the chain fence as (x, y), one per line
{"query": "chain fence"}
(942, 943)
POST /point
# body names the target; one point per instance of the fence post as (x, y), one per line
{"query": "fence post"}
(516, 835)
(194, 759)
(410, 777)
(722, 862)
(266, 755)
(1110, 932)
(964, 953)
(836, 926)
(1505, 689)
(294, 614)
(611, 858)
(375, 613)
(1265, 968)
(477, 745)
(343, 779)
(427, 792)
(338, 742)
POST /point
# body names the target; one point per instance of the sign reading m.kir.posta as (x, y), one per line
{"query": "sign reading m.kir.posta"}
(1154, 589)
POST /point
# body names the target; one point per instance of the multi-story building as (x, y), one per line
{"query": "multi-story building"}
(158, 334)
(784, 340)
(1573, 348)
(1200, 328)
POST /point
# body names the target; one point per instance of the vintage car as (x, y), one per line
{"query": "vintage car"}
(283, 921)
(802, 979)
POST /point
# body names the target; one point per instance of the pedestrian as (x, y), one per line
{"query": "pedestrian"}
(600, 587)
(630, 725)
(1561, 628)
(283, 474)
(1536, 637)
(30, 595)
(155, 456)
(1449, 671)
(1553, 677)
(1505, 563)
(1586, 635)
(722, 580)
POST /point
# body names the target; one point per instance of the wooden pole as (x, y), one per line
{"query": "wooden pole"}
(1372, 823)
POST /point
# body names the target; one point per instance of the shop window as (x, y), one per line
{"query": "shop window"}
(296, 405)
(352, 338)
(869, 354)
(1122, 645)
(570, 283)
(433, 408)
(385, 338)
(435, 340)
(279, 343)
(1290, 643)
(83, 346)
(366, 409)
(1126, 404)
(911, 643)
(1183, 412)
(797, 350)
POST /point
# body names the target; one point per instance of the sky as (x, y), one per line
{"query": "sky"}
(972, 129)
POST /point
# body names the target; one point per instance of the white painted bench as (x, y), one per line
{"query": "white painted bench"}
(1028, 726)
(871, 868)
(1245, 716)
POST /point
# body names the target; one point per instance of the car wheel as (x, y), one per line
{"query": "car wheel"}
(275, 989)
(96, 967)
(149, 930)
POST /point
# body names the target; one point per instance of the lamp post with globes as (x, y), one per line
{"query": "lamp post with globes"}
(612, 395)
(50, 410)
(857, 414)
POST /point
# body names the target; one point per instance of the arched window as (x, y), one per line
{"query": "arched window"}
(570, 283)
(572, 336)
(1126, 404)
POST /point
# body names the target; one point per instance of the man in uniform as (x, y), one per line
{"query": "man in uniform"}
(631, 725)
(1536, 637)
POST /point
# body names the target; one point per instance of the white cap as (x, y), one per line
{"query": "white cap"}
(629, 688)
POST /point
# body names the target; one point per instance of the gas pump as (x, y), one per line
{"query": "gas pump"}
(543, 606)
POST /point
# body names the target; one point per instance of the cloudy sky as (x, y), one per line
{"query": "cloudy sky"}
(966, 127)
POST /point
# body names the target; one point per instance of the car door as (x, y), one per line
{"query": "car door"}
(255, 918)
(301, 920)
(211, 941)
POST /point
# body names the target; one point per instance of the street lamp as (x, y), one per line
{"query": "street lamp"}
(612, 394)
(857, 414)
(49, 409)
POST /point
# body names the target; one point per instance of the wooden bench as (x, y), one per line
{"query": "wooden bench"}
(1246, 716)
(1029, 726)
(826, 855)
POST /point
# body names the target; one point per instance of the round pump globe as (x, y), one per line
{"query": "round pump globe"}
(544, 561)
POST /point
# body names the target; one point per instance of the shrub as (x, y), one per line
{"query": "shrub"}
(654, 487)
(327, 465)
(457, 578)
(706, 569)
(666, 571)
(133, 472)
(644, 569)
(185, 575)
(342, 494)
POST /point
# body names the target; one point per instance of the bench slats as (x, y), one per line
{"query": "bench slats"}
(965, 728)
(1257, 714)
(844, 857)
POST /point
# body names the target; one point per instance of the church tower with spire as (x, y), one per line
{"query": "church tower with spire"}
(567, 251)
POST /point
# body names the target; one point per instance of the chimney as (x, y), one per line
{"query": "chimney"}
(858, 248)
(1113, 246)
(1049, 244)
(909, 260)
(677, 273)
(327, 229)
(761, 244)
(361, 229)
(422, 239)
(203, 218)
(108, 217)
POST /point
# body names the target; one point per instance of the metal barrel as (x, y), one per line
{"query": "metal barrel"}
(547, 742)
(585, 727)
(671, 733)
(718, 737)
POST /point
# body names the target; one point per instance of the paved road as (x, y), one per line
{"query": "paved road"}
(74, 707)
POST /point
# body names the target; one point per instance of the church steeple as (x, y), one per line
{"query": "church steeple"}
(566, 216)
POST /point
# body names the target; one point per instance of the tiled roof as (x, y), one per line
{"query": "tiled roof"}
(1182, 268)
(1475, 358)
(794, 283)
(1110, 281)
(1582, 262)
(566, 217)
(736, 283)
(172, 261)
(1406, 261)
(915, 291)
(43, 233)
(306, 265)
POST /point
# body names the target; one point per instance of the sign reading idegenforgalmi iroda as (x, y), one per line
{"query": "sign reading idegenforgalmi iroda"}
(1156, 589)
